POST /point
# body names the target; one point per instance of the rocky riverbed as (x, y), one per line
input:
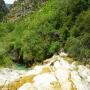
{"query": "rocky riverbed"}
(55, 74)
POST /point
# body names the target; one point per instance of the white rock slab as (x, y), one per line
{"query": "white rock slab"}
(43, 81)
(27, 86)
(80, 83)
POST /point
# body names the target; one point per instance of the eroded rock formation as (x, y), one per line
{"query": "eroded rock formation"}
(57, 74)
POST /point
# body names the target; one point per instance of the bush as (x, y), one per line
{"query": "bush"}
(10, 27)
(72, 46)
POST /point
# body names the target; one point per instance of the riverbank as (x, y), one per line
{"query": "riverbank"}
(55, 74)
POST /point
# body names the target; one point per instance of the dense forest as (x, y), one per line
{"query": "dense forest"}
(38, 35)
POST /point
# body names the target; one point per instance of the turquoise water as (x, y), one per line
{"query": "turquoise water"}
(20, 67)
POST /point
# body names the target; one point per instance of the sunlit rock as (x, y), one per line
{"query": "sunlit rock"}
(63, 54)
(9, 75)
(79, 82)
(63, 78)
(43, 81)
(56, 74)
(27, 86)
(84, 73)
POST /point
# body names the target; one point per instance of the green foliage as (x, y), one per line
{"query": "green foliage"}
(54, 47)
(72, 46)
(6, 61)
(85, 40)
(75, 32)
(57, 24)
(82, 22)
(10, 27)
(78, 45)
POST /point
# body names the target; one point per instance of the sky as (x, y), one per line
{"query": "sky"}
(9, 1)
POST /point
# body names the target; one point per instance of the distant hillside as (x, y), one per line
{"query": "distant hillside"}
(23, 7)
(3, 9)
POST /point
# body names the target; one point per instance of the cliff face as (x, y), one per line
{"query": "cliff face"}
(23, 7)
(3, 9)
(2, 4)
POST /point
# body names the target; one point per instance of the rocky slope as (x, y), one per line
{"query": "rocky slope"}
(55, 74)
(23, 7)
(3, 9)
